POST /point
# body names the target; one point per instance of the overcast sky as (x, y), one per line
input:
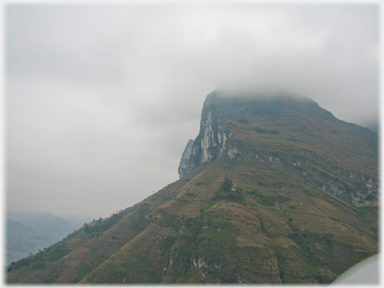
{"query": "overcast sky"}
(101, 100)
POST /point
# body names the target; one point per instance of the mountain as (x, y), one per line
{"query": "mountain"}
(23, 217)
(272, 190)
(77, 220)
(52, 226)
(36, 232)
(23, 240)
(26, 217)
(374, 127)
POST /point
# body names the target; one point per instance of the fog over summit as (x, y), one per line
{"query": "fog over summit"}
(102, 99)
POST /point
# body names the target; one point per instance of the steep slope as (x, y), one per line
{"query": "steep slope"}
(272, 190)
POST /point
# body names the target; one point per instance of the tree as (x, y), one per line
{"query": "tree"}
(227, 185)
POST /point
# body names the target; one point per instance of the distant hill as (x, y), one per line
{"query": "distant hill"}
(54, 227)
(374, 127)
(77, 220)
(23, 217)
(37, 231)
(272, 190)
(23, 240)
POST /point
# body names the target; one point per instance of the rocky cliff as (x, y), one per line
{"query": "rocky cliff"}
(211, 140)
(185, 163)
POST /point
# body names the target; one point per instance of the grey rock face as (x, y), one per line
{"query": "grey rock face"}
(211, 141)
(184, 166)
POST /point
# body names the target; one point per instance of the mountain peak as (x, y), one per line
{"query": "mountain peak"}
(219, 111)
(283, 126)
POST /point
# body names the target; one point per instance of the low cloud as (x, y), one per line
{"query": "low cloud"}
(101, 100)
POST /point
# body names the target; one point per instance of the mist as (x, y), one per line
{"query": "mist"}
(102, 99)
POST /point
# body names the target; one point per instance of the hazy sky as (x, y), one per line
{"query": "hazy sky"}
(101, 100)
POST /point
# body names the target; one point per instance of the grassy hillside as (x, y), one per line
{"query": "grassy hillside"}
(285, 231)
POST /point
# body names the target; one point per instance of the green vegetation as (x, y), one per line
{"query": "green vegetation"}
(243, 120)
(99, 226)
(227, 192)
(221, 237)
(301, 238)
(263, 199)
(265, 131)
(82, 272)
(139, 271)
(39, 260)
